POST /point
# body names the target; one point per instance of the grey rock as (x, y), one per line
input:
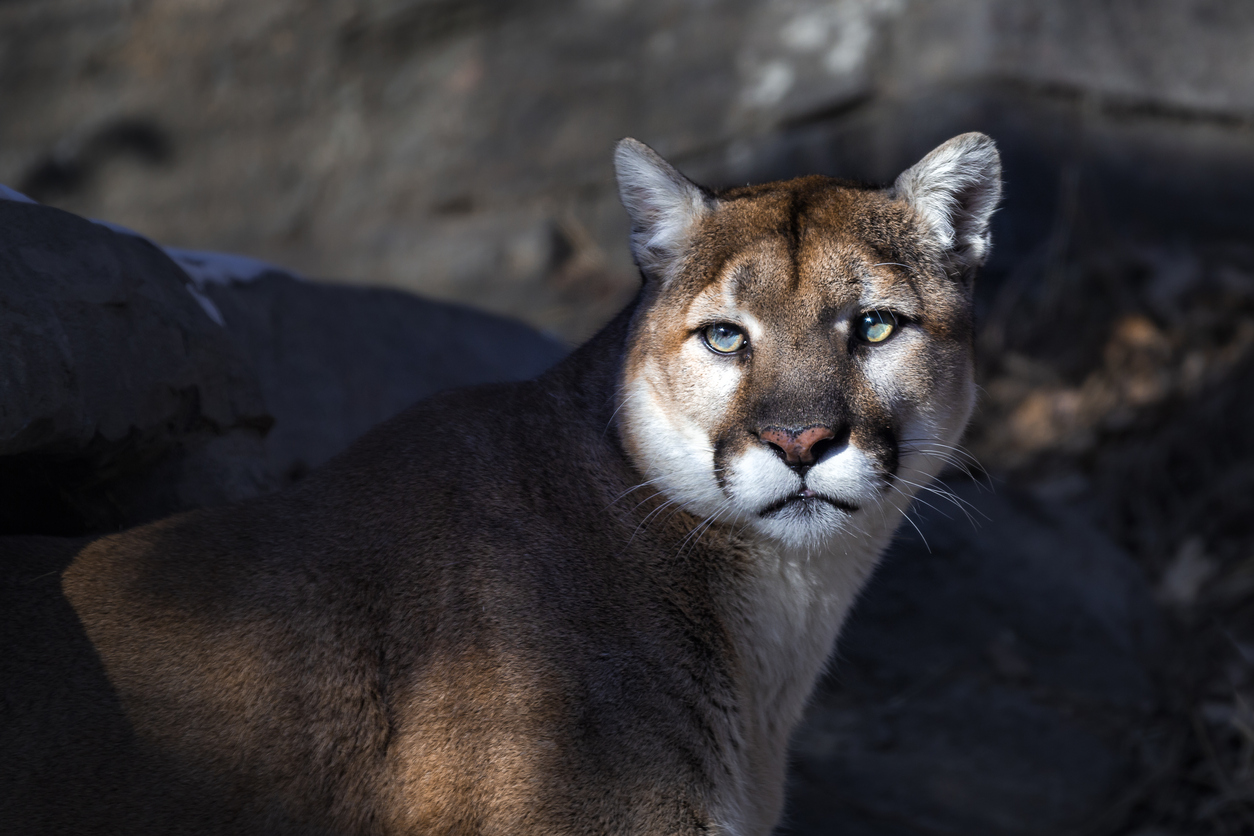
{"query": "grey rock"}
(991, 680)
(109, 366)
(129, 391)
(460, 148)
(103, 340)
(334, 361)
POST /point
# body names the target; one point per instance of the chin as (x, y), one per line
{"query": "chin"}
(810, 523)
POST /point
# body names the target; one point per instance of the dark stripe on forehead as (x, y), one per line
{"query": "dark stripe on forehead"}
(793, 235)
(913, 283)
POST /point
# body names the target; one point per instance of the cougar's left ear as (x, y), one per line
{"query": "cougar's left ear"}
(663, 205)
(955, 189)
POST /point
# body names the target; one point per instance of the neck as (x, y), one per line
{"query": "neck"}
(785, 619)
(588, 379)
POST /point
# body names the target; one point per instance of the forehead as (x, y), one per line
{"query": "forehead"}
(812, 242)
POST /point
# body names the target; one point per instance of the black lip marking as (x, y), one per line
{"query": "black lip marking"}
(806, 496)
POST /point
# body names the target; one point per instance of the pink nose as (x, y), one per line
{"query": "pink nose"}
(796, 445)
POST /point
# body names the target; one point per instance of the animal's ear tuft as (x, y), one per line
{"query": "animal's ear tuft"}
(663, 205)
(955, 189)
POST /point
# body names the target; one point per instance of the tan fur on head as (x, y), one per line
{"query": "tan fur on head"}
(794, 266)
(593, 603)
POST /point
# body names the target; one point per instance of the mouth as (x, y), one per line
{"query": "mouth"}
(805, 500)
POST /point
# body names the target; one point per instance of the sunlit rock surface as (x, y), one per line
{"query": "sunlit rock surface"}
(460, 148)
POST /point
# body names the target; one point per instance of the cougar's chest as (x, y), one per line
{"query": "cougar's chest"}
(784, 617)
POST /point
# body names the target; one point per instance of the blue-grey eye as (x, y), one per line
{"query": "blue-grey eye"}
(725, 338)
(876, 326)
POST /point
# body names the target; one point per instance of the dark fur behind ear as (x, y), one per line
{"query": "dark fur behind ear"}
(663, 205)
(955, 189)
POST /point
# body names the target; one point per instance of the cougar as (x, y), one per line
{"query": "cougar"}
(591, 603)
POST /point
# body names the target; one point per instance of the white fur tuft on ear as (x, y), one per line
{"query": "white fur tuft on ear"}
(662, 203)
(955, 189)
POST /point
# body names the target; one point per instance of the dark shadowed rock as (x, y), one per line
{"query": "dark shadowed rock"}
(103, 341)
(334, 361)
(109, 368)
(129, 390)
(994, 684)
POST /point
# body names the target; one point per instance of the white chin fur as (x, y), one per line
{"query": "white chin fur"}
(811, 525)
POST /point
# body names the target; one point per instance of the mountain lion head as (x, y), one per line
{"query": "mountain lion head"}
(803, 356)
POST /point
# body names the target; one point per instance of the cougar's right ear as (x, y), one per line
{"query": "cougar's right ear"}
(955, 189)
(663, 205)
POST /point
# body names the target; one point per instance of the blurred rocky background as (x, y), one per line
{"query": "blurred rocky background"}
(1077, 657)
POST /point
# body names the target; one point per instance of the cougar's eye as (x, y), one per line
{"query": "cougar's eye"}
(876, 326)
(724, 338)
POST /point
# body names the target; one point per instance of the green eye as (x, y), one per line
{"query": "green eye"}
(724, 338)
(876, 326)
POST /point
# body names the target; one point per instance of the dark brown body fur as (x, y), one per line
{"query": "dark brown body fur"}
(288, 669)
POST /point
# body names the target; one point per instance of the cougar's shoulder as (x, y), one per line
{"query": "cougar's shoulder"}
(453, 619)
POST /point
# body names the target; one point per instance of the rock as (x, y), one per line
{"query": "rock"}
(990, 681)
(110, 366)
(129, 390)
(334, 361)
(103, 340)
(460, 147)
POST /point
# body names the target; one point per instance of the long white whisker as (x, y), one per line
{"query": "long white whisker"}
(632, 489)
(964, 464)
(703, 526)
(669, 502)
(618, 395)
(918, 499)
(926, 545)
(958, 502)
(968, 509)
(646, 499)
(947, 458)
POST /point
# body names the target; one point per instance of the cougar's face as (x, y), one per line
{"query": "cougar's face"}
(803, 360)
